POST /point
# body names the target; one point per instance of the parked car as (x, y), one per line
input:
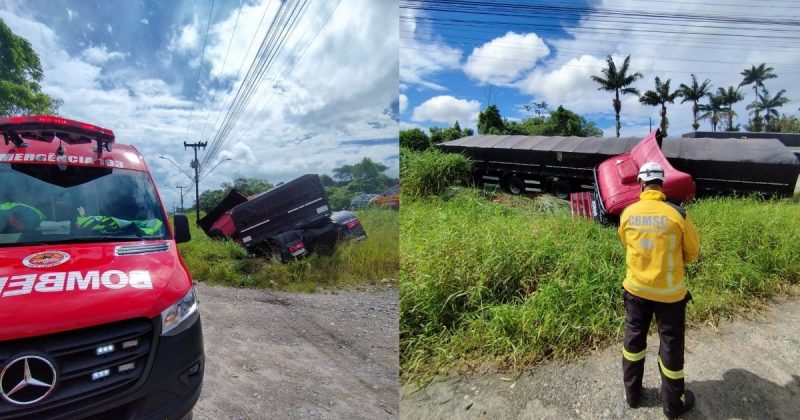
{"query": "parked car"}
(349, 227)
(389, 198)
(361, 201)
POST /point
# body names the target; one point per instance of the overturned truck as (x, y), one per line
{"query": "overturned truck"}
(565, 165)
(287, 222)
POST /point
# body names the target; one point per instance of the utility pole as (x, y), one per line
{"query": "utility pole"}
(181, 187)
(196, 165)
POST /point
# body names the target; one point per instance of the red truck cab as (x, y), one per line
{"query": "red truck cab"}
(99, 315)
(617, 185)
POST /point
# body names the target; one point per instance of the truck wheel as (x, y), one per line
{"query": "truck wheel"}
(515, 186)
(561, 189)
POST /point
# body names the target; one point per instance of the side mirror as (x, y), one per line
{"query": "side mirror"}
(181, 223)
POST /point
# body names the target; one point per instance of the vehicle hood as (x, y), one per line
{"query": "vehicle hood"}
(54, 288)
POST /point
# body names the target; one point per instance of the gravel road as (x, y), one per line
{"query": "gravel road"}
(289, 355)
(744, 369)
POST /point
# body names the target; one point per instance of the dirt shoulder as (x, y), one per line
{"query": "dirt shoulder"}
(288, 355)
(747, 369)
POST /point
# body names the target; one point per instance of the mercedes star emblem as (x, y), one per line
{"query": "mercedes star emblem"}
(27, 380)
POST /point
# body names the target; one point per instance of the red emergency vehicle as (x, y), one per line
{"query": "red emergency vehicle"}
(98, 316)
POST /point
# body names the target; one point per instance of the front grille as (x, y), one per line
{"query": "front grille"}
(76, 358)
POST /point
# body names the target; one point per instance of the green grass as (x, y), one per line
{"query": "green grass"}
(507, 281)
(352, 264)
(431, 172)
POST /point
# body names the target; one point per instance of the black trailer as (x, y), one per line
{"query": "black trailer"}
(521, 164)
(561, 165)
(297, 204)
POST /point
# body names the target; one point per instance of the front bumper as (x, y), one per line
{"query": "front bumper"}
(168, 389)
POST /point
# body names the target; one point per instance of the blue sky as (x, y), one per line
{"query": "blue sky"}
(133, 66)
(453, 64)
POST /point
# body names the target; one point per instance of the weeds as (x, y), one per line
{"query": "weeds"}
(352, 263)
(510, 282)
(431, 172)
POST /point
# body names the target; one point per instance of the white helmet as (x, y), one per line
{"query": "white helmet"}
(651, 171)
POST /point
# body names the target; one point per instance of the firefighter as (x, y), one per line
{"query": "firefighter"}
(660, 240)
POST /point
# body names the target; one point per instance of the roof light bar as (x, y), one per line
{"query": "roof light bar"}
(47, 127)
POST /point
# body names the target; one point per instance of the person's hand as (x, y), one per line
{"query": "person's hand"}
(81, 212)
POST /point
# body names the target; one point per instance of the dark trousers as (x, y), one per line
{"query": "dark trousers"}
(671, 322)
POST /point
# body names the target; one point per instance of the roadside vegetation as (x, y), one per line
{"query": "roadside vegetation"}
(500, 281)
(353, 264)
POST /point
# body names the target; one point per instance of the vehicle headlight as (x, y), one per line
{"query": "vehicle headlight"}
(180, 316)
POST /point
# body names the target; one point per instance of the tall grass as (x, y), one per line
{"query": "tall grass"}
(512, 281)
(431, 172)
(352, 264)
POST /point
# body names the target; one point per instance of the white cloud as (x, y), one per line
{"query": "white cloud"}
(109, 28)
(250, 30)
(101, 54)
(423, 55)
(186, 38)
(71, 14)
(403, 103)
(331, 108)
(502, 60)
(145, 22)
(565, 78)
(447, 109)
(90, 27)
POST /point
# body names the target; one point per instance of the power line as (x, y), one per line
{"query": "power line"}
(517, 10)
(519, 46)
(763, 47)
(199, 70)
(272, 46)
(222, 70)
(564, 64)
(244, 59)
(283, 72)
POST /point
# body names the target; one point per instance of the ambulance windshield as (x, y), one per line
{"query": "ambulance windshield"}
(42, 204)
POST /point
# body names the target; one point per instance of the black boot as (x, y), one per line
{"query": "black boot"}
(688, 404)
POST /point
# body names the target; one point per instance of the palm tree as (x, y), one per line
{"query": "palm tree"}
(768, 104)
(694, 93)
(712, 110)
(730, 97)
(617, 81)
(661, 96)
(756, 76)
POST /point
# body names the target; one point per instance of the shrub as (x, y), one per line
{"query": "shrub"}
(431, 172)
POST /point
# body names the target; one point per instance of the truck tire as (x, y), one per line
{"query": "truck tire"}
(515, 186)
(561, 189)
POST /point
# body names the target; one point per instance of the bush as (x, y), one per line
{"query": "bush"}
(430, 172)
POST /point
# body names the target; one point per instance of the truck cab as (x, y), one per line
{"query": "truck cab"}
(99, 313)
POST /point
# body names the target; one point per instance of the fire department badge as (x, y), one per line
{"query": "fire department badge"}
(45, 259)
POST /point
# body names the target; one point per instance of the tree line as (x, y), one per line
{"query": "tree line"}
(559, 122)
(719, 105)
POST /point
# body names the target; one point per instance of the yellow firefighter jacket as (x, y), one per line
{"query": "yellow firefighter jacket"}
(660, 240)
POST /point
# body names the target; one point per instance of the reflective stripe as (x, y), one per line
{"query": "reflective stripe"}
(633, 357)
(670, 262)
(657, 291)
(672, 374)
